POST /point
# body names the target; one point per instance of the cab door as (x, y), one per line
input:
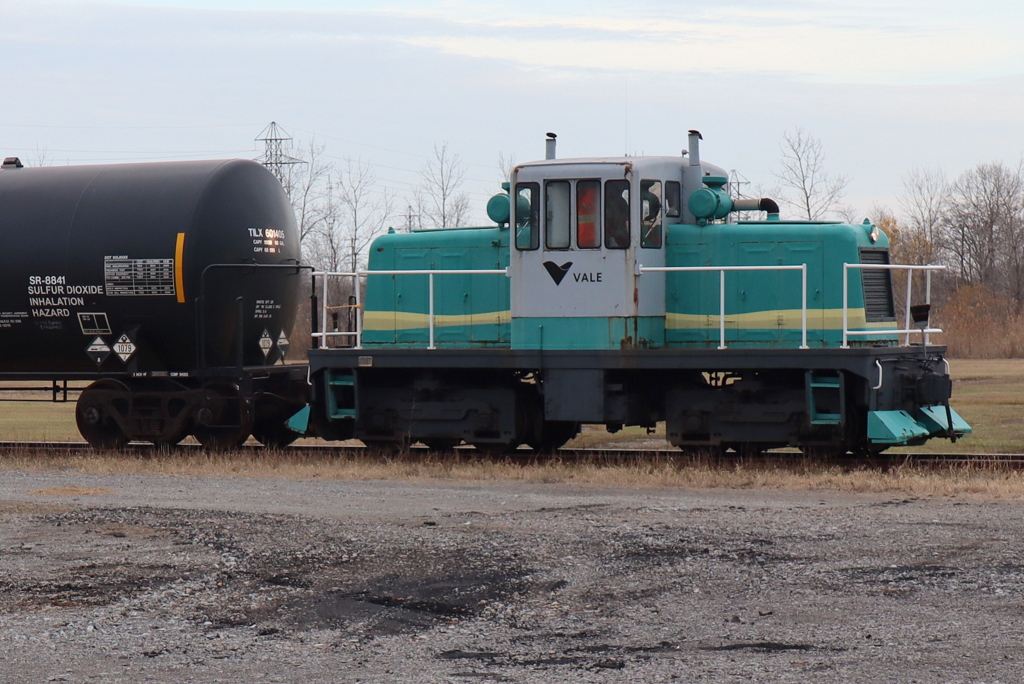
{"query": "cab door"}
(574, 272)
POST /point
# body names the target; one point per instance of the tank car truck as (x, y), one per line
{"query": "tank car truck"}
(624, 291)
(170, 287)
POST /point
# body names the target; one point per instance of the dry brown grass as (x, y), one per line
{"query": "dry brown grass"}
(980, 325)
(981, 481)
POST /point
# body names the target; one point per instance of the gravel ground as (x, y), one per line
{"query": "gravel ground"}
(169, 579)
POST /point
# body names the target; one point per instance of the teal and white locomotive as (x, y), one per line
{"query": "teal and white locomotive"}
(623, 291)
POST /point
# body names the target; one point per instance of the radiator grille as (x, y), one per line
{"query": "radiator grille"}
(878, 304)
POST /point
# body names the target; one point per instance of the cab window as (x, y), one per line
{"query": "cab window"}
(616, 214)
(527, 216)
(650, 214)
(588, 214)
(557, 211)
(672, 199)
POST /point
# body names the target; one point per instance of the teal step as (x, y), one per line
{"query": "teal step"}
(341, 395)
(816, 386)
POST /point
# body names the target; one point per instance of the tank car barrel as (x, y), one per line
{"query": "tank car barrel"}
(128, 275)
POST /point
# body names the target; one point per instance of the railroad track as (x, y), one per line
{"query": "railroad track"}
(616, 455)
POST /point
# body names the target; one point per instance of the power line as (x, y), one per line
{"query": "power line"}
(383, 149)
(121, 128)
(147, 152)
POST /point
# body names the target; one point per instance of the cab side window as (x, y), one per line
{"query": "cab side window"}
(588, 214)
(557, 212)
(672, 199)
(650, 214)
(527, 216)
(616, 214)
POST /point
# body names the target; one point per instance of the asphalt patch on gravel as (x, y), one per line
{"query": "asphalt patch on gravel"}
(396, 604)
(275, 574)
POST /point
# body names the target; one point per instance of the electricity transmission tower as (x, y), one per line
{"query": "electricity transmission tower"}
(274, 157)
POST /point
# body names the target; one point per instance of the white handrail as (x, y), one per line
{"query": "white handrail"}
(321, 337)
(721, 290)
(907, 330)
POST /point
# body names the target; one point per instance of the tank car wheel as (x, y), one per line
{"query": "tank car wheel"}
(225, 422)
(98, 428)
(274, 435)
(169, 442)
(221, 438)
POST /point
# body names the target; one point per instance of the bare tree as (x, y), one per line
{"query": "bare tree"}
(984, 224)
(41, 157)
(308, 187)
(438, 197)
(364, 210)
(815, 192)
(506, 165)
(923, 200)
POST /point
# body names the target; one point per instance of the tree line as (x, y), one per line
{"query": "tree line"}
(972, 224)
(340, 207)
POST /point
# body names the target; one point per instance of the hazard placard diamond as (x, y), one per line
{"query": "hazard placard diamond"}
(266, 342)
(124, 347)
(98, 351)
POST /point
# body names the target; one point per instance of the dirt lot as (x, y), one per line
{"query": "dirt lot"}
(133, 578)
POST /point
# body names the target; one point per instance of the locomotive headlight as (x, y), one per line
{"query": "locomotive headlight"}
(873, 235)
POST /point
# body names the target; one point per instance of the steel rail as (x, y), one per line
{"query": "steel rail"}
(568, 454)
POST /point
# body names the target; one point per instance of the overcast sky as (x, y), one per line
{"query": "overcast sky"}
(885, 85)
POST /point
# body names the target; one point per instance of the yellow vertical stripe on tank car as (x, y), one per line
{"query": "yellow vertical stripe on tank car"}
(179, 273)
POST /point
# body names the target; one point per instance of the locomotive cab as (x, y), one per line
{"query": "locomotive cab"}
(581, 227)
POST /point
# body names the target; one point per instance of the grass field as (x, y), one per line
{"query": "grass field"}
(989, 394)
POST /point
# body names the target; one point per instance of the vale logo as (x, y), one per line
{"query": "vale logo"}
(557, 272)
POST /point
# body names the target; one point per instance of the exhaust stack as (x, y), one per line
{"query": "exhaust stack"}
(694, 155)
(549, 146)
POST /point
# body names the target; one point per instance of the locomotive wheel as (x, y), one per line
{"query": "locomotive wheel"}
(491, 449)
(225, 420)
(747, 449)
(441, 443)
(554, 435)
(709, 452)
(274, 435)
(96, 426)
(824, 453)
(388, 447)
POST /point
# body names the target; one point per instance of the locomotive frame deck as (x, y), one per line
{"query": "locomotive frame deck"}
(854, 359)
(708, 397)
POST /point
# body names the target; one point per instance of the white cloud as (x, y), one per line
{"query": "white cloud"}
(886, 87)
